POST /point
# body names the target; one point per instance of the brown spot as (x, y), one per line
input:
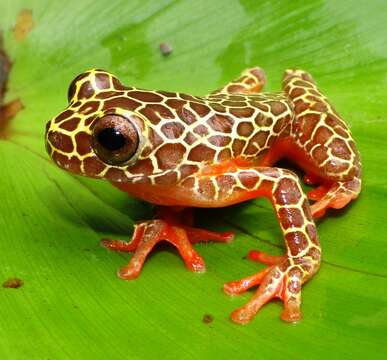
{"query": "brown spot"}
(207, 319)
(187, 97)
(245, 112)
(238, 146)
(187, 115)
(320, 153)
(71, 124)
(336, 166)
(154, 138)
(296, 242)
(60, 141)
(333, 122)
(169, 178)
(121, 102)
(287, 192)
(225, 183)
(201, 109)
(24, 24)
(187, 170)
(102, 81)
(225, 154)
(146, 151)
(188, 183)
(74, 165)
(13, 283)
(220, 123)
(260, 106)
(312, 233)
(234, 103)
(340, 149)
(170, 155)
(172, 130)
(319, 106)
(167, 94)
(116, 175)
(89, 120)
(322, 135)
(86, 90)
(206, 188)
(277, 107)
(245, 129)
(83, 142)
(218, 107)
(175, 103)
(257, 142)
(341, 132)
(64, 115)
(297, 92)
(190, 138)
(290, 217)
(235, 89)
(201, 153)
(142, 167)
(236, 97)
(306, 125)
(313, 99)
(281, 123)
(300, 106)
(219, 140)
(249, 179)
(146, 96)
(59, 159)
(108, 94)
(117, 85)
(89, 107)
(93, 166)
(201, 130)
(314, 253)
(263, 121)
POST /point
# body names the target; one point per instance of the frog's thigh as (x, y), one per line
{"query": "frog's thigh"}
(326, 140)
(251, 81)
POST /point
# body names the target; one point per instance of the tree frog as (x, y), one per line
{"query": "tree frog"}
(180, 151)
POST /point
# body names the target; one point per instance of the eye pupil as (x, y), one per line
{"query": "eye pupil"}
(111, 139)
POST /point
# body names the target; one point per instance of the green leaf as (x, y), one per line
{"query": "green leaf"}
(72, 305)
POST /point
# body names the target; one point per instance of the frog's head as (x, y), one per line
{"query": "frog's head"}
(100, 134)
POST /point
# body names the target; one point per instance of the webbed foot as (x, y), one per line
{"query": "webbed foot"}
(282, 279)
(147, 234)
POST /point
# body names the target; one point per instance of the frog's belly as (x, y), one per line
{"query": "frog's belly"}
(180, 196)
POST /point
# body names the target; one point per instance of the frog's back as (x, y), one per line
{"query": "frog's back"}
(216, 127)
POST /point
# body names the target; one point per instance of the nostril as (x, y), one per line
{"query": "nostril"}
(60, 141)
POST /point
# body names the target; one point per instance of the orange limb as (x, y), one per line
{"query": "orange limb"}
(280, 280)
(147, 234)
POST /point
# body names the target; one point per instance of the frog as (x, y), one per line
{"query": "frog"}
(181, 152)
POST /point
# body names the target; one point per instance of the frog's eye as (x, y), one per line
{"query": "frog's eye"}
(115, 139)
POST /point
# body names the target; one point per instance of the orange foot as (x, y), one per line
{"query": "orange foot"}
(282, 279)
(333, 195)
(147, 234)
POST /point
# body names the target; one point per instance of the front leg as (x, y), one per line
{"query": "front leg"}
(286, 274)
(172, 225)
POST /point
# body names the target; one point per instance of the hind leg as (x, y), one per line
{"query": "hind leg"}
(251, 81)
(324, 146)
